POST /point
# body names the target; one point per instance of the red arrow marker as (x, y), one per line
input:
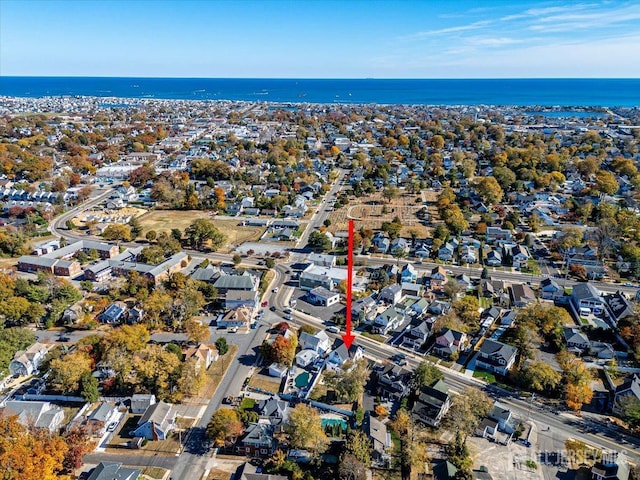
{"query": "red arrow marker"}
(348, 337)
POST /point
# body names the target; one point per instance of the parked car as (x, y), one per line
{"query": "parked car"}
(233, 329)
(264, 304)
(112, 426)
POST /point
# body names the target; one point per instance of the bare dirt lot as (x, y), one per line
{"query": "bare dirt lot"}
(371, 210)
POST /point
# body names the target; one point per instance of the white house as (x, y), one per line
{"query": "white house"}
(388, 320)
(156, 423)
(319, 342)
(25, 362)
(340, 355)
(36, 414)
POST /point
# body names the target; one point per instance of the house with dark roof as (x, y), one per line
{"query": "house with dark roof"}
(226, 283)
(495, 356)
(114, 471)
(618, 307)
(392, 382)
(493, 258)
(449, 342)
(380, 439)
(612, 466)
(156, 423)
(432, 404)
(417, 335)
(444, 470)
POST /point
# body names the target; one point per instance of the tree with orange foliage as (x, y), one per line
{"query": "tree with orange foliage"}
(30, 454)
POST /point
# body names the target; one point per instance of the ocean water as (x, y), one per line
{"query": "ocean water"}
(522, 92)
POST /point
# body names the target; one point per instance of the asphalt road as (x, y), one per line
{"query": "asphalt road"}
(561, 425)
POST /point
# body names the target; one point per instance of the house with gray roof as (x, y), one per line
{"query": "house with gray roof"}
(341, 355)
(157, 422)
(576, 339)
(550, 290)
(100, 417)
(275, 410)
(391, 294)
(140, 402)
(630, 388)
(318, 342)
(26, 362)
(43, 415)
(246, 282)
(388, 320)
(449, 342)
(114, 471)
(495, 356)
(585, 295)
(380, 439)
(521, 295)
(258, 440)
(417, 335)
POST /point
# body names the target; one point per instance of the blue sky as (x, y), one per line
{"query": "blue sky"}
(321, 39)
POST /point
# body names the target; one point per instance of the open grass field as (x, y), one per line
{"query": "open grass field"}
(368, 211)
(165, 220)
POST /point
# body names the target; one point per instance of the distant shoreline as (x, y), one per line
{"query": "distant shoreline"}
(534, 93)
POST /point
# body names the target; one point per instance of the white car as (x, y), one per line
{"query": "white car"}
(333, 329)
(275, 290)
(233, 329)
(112, 426)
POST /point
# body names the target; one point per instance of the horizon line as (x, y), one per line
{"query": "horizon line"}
(316, 78)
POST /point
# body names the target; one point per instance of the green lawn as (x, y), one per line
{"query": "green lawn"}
(374, 336)
(485, 302)
(486, 376)
(247, 403)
